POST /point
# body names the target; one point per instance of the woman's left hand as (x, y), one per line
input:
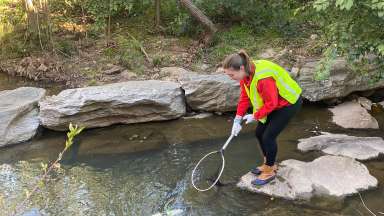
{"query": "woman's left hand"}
(249, 118)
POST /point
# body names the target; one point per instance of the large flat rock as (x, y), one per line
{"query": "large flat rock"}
(361, 148)
(126, 102)
(342, 80)
(351, 114)
(328, 175)
(19, 114)
(210, 92)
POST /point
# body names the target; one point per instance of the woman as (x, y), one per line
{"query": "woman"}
(275, 98)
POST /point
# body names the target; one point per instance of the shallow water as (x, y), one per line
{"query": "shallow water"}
(144, 169)
(10, 82)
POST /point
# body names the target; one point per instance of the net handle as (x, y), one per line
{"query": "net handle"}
(227, 142)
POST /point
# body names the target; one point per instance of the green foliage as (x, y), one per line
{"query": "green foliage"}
(258, 15)
(71, 134)
(322, 70)
(355, 26)
(66, 47)
(12, 42)
(231, 41)
(127, 53)
(239, 37)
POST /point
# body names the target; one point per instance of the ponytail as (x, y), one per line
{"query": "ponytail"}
(246, 62)
(237, 60)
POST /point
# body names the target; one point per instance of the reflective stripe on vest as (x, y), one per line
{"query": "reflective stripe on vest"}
(280, 80)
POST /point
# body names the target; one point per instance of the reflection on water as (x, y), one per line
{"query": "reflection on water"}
(144, 169)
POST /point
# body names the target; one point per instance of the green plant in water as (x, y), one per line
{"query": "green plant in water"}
(72, 133)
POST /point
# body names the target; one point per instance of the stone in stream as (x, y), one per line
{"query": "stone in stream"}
(381, 104)
(365, 102)
(361, 148)
(351, 114)
(342, 80)
(19, 114)
(126, 102)
(327, 175)
(210, 92)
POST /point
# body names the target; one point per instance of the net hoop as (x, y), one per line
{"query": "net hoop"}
(218, 177)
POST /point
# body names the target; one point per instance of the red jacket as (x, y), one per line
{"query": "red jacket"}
(268, 91)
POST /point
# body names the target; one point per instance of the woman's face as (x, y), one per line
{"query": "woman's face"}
(236, 74)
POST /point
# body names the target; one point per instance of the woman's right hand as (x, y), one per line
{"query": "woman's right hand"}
(236, 127)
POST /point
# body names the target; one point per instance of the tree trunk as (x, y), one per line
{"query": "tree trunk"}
(157, 5)
(31, 16)
(199, 15)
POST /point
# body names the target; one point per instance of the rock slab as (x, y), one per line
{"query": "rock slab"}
(210, 92)
(328, 175)
(19, 114)
(361, 148)
(351, 114)
(342, 80)
(126, 102)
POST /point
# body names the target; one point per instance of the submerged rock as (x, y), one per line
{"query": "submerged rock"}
(19, 114)
(199, 115)
(362, 148)
(210, 92)
(352, 115)
(328, 175)
(340, 82)
(126, 102)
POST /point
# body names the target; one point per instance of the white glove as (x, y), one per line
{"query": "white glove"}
(249, 118)
(236, 128)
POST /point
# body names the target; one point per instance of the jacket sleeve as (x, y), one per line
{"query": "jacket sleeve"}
(243, 103)
(268, 91)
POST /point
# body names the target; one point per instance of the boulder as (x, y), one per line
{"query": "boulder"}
(19, 114)
(172, 73)
(126, 102)
(268, 53)
(210, 92)
(341, 81)
(351, 114)
(361, 148)
(328, 175)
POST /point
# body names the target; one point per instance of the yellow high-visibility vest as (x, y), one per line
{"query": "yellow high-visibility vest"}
(287, 87)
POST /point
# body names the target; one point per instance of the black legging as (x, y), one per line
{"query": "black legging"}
(267, 133)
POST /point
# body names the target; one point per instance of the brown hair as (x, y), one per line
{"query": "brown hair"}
(236, 60)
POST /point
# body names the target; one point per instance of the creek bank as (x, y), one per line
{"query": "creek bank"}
(157, 100)
(19, 114)
(298, 180)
